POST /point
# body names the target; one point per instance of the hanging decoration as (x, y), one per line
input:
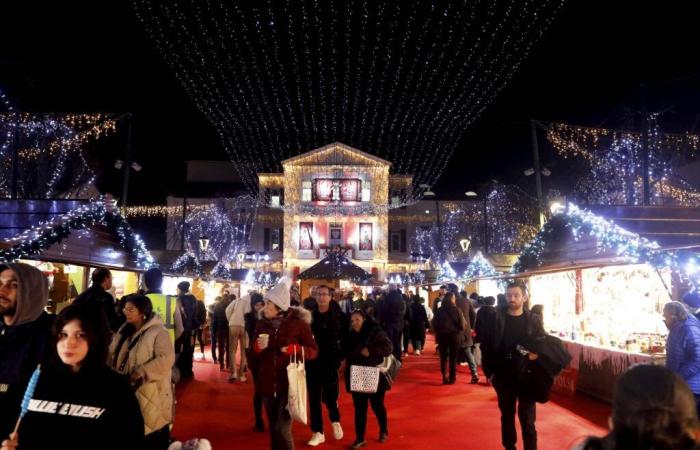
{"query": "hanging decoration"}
(401, 79)
(447, 273)
(187, 263)
(51, 162)
(630, 247)
(478, 267)
(39, 238)
(613, 175)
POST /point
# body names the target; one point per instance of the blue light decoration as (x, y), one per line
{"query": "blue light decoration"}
(630, 247)
(33, 241)
(478, 267)
(447, 273)
(187, 263)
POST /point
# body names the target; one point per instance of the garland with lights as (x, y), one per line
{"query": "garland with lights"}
(187, 263)
(39, 238)
(609, 236)
(278, 78)
(51, 162)
(613, 174)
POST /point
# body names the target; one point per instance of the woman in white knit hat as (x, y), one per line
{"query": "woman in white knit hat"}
(281, 331)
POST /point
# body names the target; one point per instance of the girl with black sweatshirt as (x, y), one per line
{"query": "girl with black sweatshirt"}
(79, 402)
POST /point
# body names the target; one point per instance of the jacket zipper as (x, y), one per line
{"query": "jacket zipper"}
(274, 362)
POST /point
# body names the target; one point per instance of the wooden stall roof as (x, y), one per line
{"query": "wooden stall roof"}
(330, 268)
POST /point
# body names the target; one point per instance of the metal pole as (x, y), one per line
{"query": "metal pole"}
(127, 163)
(15, 159)
(538, 174)
(645, 147)
(486, 226)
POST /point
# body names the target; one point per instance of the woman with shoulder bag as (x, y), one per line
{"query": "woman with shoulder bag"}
(367, 345)
(143, 351)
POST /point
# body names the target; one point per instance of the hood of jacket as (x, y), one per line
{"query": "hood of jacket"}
(297, 312)
(32, 294)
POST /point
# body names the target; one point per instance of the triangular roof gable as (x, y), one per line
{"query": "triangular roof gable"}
(336, 153)
(331, 268)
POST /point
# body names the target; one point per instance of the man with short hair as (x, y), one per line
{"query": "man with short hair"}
(235, 314)
(391, 311)
(98, 296)
(25, 335)
(330, 328)
(504, 361)
(438, 300)
(683, 346)
(184, 348)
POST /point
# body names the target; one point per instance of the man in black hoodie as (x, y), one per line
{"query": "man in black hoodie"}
(505, 362)
(25, 335)
(184, 348)
(391, 312)
(98, 296)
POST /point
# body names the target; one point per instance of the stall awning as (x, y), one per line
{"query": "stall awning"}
(335, 267)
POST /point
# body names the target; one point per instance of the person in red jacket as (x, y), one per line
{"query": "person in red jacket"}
(282, 331)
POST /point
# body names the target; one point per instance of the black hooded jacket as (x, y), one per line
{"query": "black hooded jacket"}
(97, 296)
(330, 330)
(94, 408)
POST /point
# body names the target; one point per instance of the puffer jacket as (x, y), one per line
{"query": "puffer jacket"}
(151, 356)
(372, 337)
(683, 351)
(270, 364)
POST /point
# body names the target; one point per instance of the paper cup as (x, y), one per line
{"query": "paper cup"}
(263, 340)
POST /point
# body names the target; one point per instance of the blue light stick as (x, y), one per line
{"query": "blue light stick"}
(28, 394)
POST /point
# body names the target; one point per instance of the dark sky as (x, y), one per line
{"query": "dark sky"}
(96, 57)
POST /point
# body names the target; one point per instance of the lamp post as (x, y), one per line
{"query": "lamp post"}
(203, 244)
(465, 244)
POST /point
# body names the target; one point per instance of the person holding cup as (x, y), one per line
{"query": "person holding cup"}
(282, 331)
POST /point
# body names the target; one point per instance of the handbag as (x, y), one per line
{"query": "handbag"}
(297, 394)
(390, 368)
(364, 379)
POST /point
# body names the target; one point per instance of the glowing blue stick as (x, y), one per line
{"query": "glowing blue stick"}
(28, 394)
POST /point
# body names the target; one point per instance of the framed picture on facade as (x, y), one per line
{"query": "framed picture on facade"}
(306, 239)
(365, 236)
(335, 234)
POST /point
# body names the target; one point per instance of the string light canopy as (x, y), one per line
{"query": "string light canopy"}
(401, 79)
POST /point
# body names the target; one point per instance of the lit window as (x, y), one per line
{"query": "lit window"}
(306, 191)
(275, 201)
(366, 191)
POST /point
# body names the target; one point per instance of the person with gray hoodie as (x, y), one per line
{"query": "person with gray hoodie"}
(25, 335)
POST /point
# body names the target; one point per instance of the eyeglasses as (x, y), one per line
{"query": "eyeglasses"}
(129, 310)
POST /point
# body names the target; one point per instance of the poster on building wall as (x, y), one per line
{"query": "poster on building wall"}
(306, 240)
(365, 242)
(333, 190)
(350, 191)
(323, 190)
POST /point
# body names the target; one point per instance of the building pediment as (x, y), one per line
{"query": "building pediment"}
(334, 154)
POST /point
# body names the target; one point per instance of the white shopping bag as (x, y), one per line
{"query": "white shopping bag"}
(296, 400)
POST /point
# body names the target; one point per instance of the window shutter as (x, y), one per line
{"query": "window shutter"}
(266, 240)
(403, 240)
(281, 239)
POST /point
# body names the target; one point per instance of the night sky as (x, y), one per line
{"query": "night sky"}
(96, 57)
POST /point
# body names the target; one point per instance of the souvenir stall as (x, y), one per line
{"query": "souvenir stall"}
(602, 290)
(335, 271)
(68, 239)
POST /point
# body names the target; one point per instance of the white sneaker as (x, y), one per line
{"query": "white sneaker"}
(317, 438)
(417, 352)
(242, 378)
(337, 431)
(232, 377)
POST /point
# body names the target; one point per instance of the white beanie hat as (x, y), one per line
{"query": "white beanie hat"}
(279, 293)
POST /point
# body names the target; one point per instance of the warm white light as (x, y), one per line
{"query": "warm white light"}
(557, 208)
(471, 194)
(465, 244)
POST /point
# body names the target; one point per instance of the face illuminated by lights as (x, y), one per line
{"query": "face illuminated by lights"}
(356, 321)
(9, 285)
(323, 298)
(72, 344)
(270, 310)
(516, 300)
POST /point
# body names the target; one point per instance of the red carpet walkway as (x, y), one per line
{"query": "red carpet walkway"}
(423, 414)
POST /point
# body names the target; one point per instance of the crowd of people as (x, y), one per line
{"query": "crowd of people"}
(101, 373)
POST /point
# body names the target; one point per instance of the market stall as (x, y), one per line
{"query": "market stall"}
(335, 271)
(603, 290)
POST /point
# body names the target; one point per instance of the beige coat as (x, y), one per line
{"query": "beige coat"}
(152, 358)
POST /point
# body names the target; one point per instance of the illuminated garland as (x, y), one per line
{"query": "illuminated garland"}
(447, 273)
(478, 267)
(39, 238)
(615, 161)
(609, 236)
(187, 263)
(51, 162)
(276, 79)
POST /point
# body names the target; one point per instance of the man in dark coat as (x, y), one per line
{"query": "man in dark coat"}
(438, 300)
(184, 347)
(505, 364)
(330, 327)
(25, 335)
(391, 311)
(407, 323)
(98, 296)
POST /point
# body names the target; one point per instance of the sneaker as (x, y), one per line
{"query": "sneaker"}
(232, 377)
(463, 364)
(242, 378)
(383, 436)
(358, 444)
(316, 438)
(417, 352)
(337, 431)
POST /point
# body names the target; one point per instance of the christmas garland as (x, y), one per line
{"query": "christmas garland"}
(38, 239)
(186, 263)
